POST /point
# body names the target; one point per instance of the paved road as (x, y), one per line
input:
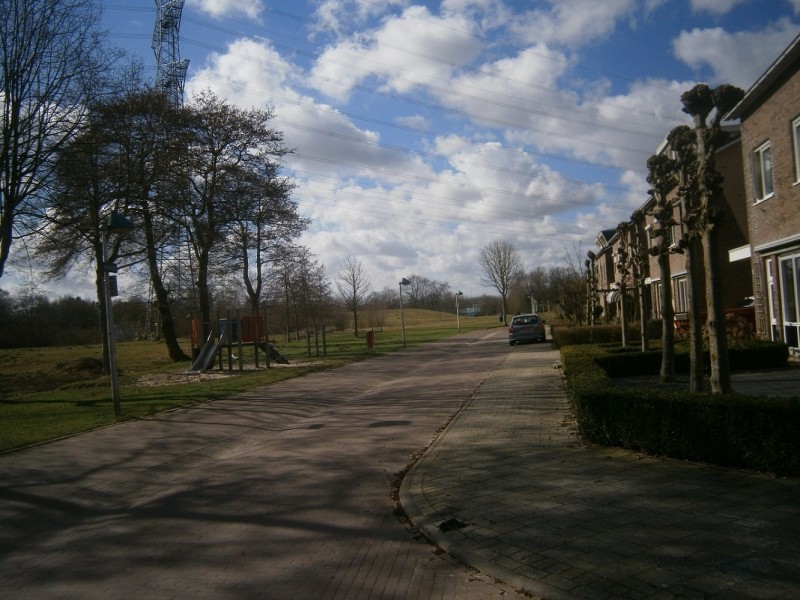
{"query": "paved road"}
(284, 492)
(288, 492)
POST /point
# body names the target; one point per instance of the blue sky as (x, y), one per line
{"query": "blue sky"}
(425, 130)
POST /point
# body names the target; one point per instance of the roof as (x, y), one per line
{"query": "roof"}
(759, 89)
(604, 237)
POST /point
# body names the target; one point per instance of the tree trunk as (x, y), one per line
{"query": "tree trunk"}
(176, 354)
(668, 322)
(203, 292)
(623, 310)
(643, 315)
(696, 362)
(717, 333)
(100, 290)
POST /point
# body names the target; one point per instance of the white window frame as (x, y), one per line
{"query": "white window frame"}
(796, 147)
(761, 191)
(790, 296)
(680, 294)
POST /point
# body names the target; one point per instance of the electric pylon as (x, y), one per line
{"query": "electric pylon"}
(170, 69)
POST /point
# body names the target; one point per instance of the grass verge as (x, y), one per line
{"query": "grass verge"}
(47, 393)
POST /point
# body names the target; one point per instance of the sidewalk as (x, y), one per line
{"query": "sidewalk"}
(508, 489)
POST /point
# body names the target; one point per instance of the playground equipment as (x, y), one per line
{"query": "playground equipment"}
(241, 331)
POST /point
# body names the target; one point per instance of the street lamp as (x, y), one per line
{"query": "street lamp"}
(458, 319)
(119, 225)
(403, 282)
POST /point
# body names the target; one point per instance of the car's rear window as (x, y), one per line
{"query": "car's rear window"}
(525, 320)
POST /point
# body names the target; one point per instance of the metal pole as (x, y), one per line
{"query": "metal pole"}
(402, 319)
(112, 351)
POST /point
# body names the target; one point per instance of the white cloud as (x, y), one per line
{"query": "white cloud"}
(229, 8)
(716, 7)
(338, 15)
(573, 23)
(248, 73)
(414, 122)
(738, 58)
(409, 49)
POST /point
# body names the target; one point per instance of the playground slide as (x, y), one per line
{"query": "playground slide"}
(273, 354)
(207, 355)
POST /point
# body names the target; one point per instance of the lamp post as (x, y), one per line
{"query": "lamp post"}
(403, 282)
(458, 318)
(119, 225)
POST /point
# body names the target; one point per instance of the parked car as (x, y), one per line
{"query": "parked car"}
(526, 328)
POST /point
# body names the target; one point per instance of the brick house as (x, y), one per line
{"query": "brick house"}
(605, 273)
(770, 122)
(609, 277)
(736, 281)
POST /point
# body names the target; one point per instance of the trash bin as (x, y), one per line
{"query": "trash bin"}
(370, 340)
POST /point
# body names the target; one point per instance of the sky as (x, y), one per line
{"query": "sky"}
(424, 130)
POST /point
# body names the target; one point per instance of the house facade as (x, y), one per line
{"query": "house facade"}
(732, 234)
(736, 285)
(770, 123)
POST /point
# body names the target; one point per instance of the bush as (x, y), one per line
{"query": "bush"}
(629, 362)
(733, 431)
(565, 335)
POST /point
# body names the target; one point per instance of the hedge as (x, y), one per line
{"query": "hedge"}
(732, 430)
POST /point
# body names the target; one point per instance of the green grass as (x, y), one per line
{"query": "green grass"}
(47, 393)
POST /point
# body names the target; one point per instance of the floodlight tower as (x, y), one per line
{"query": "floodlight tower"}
(170, 69)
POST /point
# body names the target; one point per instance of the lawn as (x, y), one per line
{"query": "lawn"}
(46, 393)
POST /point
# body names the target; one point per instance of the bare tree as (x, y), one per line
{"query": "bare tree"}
(264, 223)
(353, 284)
(123, 160)
(568, 285)
(48, 68)
(501, 267)
(639, 258)
(228, 145)
(661, 177)
(535, 285)
(681, 141)
(699, 102)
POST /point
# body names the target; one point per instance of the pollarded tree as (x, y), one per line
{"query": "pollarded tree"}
(48, 70)
(501, 267)
(353, 284)
(638, 259)
(700, 102)
(681, 141)
(661, 177)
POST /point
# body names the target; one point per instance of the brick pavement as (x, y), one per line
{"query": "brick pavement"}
(285, 492)
(509, 489)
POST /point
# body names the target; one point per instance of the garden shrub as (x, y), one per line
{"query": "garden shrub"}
(732, 430)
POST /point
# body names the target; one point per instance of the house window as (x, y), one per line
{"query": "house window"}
(790, 286)
(655, 289)
(680, 292)
(762, 172)
(796, 146)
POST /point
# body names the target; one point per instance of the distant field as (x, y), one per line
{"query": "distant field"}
(46, 393)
